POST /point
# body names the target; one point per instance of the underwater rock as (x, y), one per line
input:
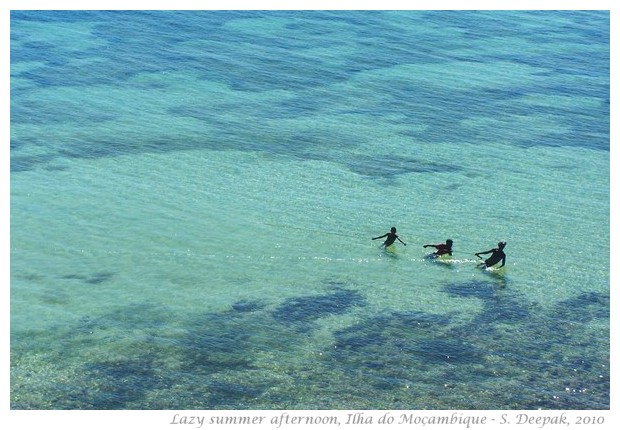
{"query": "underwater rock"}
(309, 308)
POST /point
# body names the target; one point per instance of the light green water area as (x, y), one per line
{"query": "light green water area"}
(215, 256)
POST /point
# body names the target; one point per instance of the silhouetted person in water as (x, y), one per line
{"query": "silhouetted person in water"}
(442, 248)
(497, 254)
(391, 238)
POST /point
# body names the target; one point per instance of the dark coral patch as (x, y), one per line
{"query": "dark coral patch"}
(309, 308)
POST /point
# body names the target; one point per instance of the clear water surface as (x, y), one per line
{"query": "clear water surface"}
(193, 197)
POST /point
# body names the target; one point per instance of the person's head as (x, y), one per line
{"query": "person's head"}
(449, 242)
(393, 229)
(501, 245)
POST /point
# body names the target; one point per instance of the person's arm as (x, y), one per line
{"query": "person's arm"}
(503, 261)
(379, 237)
(485, 252)
(401, 241)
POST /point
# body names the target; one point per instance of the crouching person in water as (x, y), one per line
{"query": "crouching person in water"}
(497, 255)
(391, 238)
(442, 248)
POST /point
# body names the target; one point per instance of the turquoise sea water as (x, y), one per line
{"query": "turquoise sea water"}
(193, 197)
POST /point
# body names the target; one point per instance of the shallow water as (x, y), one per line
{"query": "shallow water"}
(193, 196)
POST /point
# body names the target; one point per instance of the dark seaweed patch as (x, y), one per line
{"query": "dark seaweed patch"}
(585, 307)
(390, 349)
(446, 350)
(99, 277)
(16, 143)
(95, 278)
(24, 163)
(499, 305)
(218, 342)
(248, 305)
(390, 166)
(382, 330)
(32, 277)
(74, 277)
(121, 384)
(42, 113)
(232, 395)
(56, 168)
(309, 308)
(405, 359)
(28, 163)
(540, 349)
(477, 289)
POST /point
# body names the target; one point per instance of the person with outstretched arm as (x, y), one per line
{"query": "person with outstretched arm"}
(442, 248)
(497, 255)
(391, 238)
